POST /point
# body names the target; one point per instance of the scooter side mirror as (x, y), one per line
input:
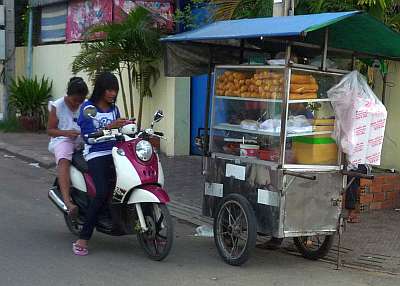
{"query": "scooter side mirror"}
(158, 116)
(90, 111)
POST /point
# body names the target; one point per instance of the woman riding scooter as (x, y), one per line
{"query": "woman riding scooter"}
(98, 155)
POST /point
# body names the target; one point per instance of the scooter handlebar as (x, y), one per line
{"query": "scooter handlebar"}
(95, 134)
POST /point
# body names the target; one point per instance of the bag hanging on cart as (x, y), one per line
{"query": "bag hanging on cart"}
(360, 119)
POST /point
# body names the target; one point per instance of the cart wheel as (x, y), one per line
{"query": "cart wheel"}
(314, 247)
(235, 229)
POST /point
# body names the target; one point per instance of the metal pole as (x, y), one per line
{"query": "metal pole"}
(325, 50)
(29, 50)
(208, 100)
(353, 62)
(241, 52)
(339, 258)
(10, 52)
(285, 104)
(384, 88)
(291, 11)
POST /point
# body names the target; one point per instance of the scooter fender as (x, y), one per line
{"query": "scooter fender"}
(148, 194)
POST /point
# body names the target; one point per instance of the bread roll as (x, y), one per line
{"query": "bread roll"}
(302, 79)
(275, 88)
(303, 88)
(298, 96)
(275, 82)
(275, 75)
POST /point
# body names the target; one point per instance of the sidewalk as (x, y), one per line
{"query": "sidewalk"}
(373, 244)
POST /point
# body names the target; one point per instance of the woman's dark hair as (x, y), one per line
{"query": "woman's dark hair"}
(77, 87)
(104, 81)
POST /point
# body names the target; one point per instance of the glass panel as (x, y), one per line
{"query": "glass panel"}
(247, 112)
(311, 120)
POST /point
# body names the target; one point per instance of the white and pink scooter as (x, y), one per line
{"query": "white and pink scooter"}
(138, 202)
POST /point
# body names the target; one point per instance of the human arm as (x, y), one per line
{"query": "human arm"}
(86, 124)
(118, 122)
(52, 126)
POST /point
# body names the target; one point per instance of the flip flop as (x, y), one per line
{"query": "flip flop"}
(79, 250)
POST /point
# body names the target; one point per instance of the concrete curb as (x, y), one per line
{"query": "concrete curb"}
(27, 155)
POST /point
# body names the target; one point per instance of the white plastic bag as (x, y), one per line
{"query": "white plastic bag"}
(360, 119)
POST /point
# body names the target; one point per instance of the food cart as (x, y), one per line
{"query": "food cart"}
(270, 163)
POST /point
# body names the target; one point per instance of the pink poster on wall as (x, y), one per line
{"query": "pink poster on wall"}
(163, 10)
(83, 14)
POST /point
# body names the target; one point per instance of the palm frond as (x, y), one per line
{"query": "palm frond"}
(132, 44)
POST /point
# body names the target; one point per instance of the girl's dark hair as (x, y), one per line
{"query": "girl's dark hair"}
(77, 87)
(104, 81)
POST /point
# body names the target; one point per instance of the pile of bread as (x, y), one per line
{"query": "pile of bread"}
(303, 87)
(262, 84)
(265, 84)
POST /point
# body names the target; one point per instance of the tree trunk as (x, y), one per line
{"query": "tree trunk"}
(131, 97)
(140, 111)
(139, 86)
(126, 111)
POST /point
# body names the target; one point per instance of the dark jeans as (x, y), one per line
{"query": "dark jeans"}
(102, 171)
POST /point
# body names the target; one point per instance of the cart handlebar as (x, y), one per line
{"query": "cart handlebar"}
(300, 175)
(358, 175)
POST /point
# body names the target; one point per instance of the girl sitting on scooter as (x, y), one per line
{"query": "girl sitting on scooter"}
(98, 156)
(64, 131)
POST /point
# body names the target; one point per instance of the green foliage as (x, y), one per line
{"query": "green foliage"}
(29, 97)
(97, 57)
(386, 11)
(185, 16)
(21, 22)
(320, 6)
(10, 125)
(132, 45)
(238, 9)
(224, 10)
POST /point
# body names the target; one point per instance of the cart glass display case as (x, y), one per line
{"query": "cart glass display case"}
(310, 121)
(260, 117)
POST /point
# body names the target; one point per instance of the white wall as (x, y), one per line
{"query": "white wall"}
(279, 8)
(172, 95)
(391, 144)
(1, 96)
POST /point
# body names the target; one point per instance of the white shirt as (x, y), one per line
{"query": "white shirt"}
(67, 120)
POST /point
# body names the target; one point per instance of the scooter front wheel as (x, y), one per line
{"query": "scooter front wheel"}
(157, 240)
(73, 225)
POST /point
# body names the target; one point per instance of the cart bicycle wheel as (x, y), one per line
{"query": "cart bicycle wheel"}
(314, 247)
(235, 230)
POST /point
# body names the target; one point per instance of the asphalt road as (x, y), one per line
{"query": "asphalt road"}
(35, 249)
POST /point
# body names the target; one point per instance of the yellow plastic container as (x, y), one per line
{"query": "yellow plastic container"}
(313, 150)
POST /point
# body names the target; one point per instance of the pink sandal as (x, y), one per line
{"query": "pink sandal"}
(79, 250)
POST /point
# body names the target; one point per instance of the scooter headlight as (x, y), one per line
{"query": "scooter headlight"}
(144, 150)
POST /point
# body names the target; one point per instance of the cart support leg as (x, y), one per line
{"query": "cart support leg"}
(340, 231)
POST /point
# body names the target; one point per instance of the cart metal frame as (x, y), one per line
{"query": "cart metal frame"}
(234, 188)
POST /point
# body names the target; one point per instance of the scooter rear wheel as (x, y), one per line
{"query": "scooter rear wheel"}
(157, 240)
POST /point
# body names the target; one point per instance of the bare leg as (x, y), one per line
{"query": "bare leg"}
(64, 181)
(353, 217)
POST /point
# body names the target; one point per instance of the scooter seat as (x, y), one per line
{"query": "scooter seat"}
(79, 162)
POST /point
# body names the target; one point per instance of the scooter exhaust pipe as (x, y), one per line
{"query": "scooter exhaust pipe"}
(57, 201)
